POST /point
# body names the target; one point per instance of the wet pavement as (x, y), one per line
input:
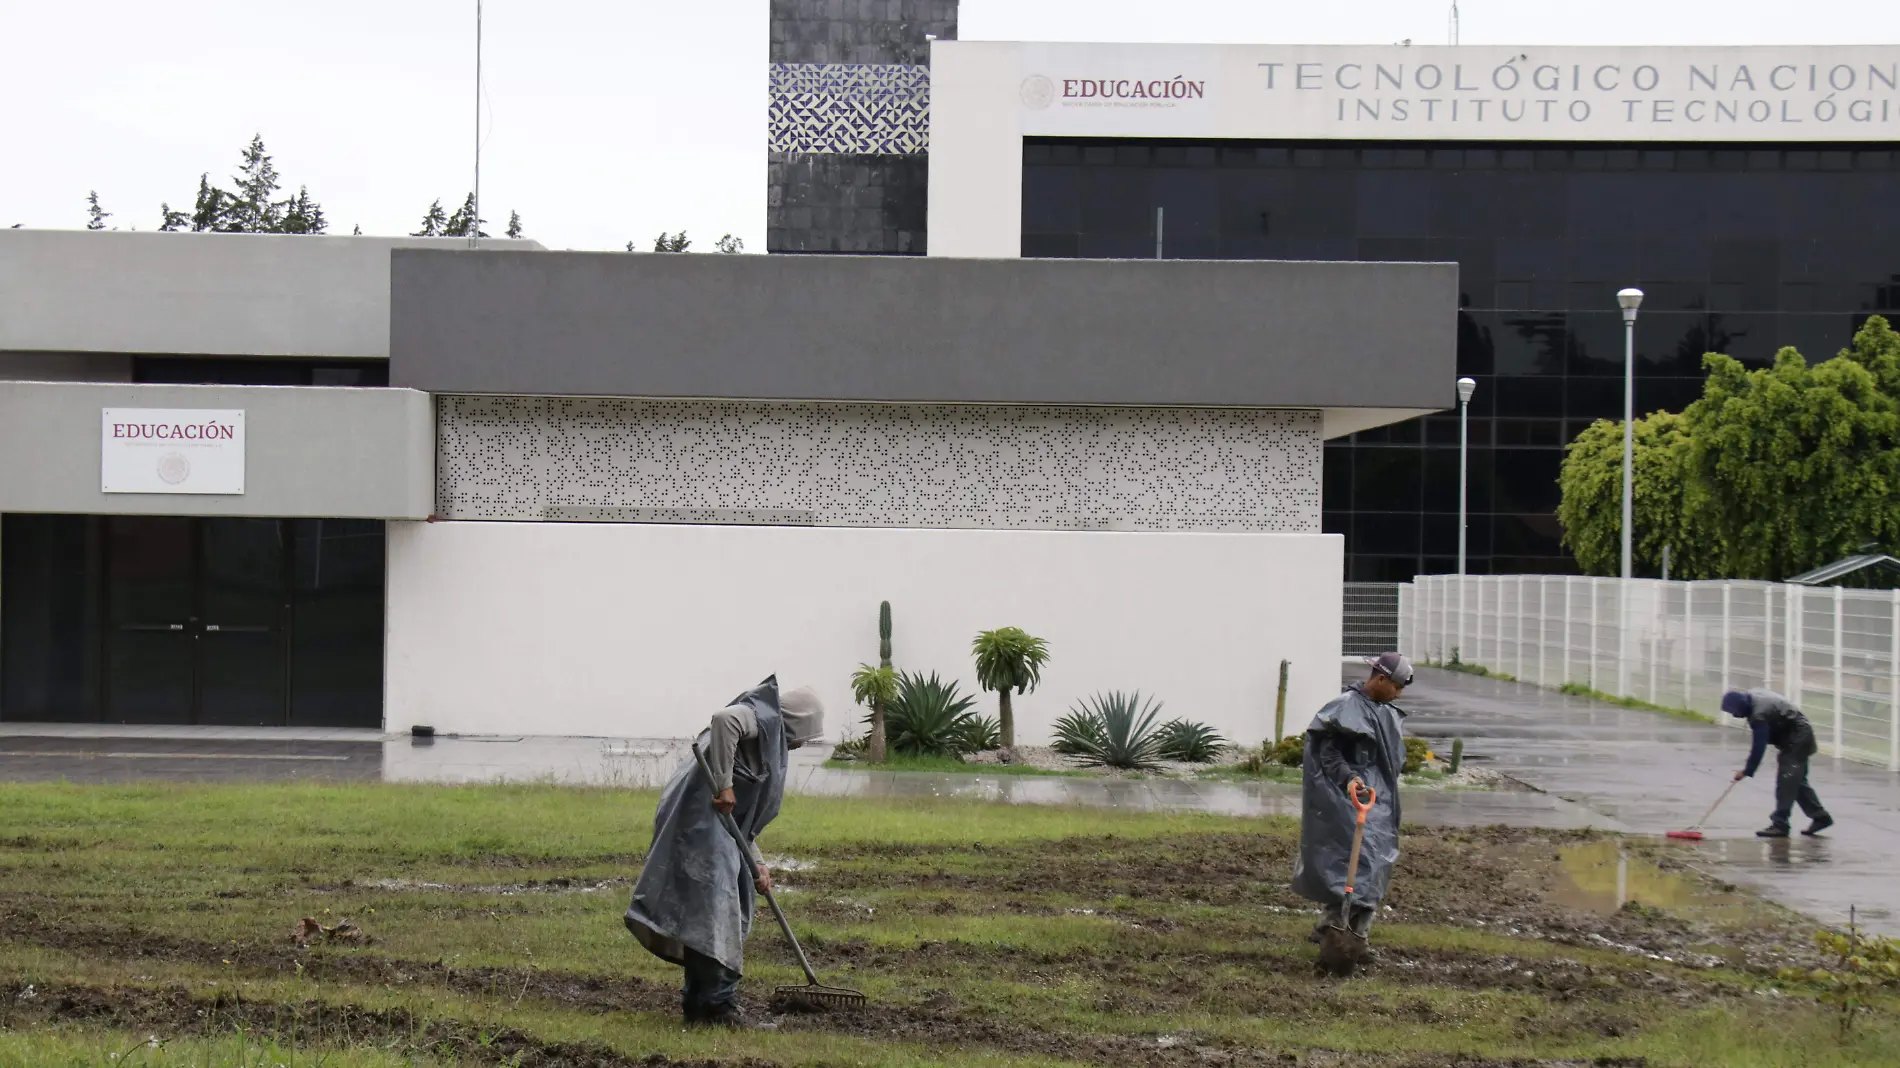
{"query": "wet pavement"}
(1587, 764)
(1648, 773)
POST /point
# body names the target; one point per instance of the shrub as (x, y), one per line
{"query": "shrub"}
(979, 734)
(1416, 751)
(852, 748)
(927, 716)
(1289, 751)
(1120, 732)
(1863, 967)
(1194, 743)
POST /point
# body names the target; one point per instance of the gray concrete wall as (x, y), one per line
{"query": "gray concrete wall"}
(310, 451)
(198, 294)
(1124, 332)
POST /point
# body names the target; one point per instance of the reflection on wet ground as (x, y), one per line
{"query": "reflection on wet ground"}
(1590, 764)
(1602, 877)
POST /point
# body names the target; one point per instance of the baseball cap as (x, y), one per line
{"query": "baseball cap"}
(1392, 666)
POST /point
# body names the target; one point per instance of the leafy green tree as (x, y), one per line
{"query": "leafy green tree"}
(1591, 510)
(730, 245)
(1007, 659)
(95, 215)
(1770, 473)
(514, 225)
(1792, 466)
(433, 222)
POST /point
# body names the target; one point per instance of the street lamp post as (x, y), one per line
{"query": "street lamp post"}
(1629, 300)
(1466, 386)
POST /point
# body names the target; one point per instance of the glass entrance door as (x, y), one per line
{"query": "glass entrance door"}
(195, 613)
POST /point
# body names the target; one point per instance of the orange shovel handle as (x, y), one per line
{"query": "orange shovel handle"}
(1359, 830)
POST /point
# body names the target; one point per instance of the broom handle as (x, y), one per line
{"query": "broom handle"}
(751, 869)
(1718, 803)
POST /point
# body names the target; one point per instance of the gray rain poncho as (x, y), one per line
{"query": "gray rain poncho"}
(693, 891)
(1374, 744)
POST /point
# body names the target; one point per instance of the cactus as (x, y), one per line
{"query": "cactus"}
(1457, 754)
(878, 737)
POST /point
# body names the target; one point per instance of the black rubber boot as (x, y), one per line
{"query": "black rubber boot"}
(1821, 823)
(1772, 831)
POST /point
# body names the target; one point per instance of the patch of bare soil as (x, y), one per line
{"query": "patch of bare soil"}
(175, 1012)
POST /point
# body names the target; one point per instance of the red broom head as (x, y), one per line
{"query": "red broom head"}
(1693, 836)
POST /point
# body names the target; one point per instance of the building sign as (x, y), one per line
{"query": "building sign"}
(1846, 93)
(171, 450)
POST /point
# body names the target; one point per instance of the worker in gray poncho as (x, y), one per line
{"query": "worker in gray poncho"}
(693, 902)
(1356, 741)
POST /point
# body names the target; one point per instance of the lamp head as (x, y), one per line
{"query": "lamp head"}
(1466, 387)
(1629, 300)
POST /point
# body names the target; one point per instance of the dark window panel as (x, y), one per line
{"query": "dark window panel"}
(1386, 479)
(1441, 479)
(1527, 480)
(1336, 473)
(1529, 395)
(1531, 343)
(1666, 394)
(1527, 535)
(1335, 523)
(1594, 398)
(1385, 532)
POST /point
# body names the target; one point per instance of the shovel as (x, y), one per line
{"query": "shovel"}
(813, 993)
(1693, 832)
(1340, 947)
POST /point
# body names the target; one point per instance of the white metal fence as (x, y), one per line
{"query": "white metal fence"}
(1833, 652)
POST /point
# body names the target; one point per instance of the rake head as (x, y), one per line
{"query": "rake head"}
(817, 998)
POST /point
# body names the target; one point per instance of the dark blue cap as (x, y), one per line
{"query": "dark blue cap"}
(1737, 704)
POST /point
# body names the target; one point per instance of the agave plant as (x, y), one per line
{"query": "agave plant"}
(1193, 743)
(928, 716)
(979, 734)
(1077, 733)
(1122, 733)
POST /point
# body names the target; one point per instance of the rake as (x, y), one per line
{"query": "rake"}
(813, 994)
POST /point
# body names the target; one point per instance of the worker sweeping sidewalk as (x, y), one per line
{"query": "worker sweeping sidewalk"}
(693, 902)
(1776, 721)
(1355, 750)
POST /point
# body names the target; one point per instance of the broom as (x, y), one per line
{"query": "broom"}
(1693, 832)
(813, 994)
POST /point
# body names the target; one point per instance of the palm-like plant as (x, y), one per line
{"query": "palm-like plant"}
(928, 717)
(1009, 658)
(1122, 731)
(875, 688)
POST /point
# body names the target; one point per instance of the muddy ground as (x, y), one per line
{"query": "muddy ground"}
(1193, 909)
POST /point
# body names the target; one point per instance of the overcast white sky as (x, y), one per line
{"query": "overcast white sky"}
(609, 120)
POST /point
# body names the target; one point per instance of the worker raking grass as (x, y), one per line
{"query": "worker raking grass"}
(694, 900)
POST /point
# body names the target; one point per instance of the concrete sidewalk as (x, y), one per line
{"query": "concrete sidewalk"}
(1649, 773)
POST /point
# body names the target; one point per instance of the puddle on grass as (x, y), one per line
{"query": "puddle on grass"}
(1599, 877)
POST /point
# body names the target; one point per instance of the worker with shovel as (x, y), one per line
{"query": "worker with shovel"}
(1775, 721)
(1349, 810)
(693, 903)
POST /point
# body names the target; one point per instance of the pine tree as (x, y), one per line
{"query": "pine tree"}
(730, 245)
(458, 224)
(253, 209)
(514, 225)
(302, 215)
(170, 220)
(433, 222)
(213, 208)
(95, 215)
(672, 242)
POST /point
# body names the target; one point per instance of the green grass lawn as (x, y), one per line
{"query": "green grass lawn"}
(154, 922)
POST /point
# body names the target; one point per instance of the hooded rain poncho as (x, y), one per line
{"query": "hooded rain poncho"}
(693, 892)
(1374, 744)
